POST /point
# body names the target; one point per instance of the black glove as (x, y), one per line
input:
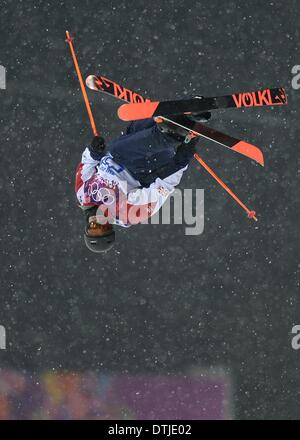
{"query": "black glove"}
(97, 147)
(185, 153)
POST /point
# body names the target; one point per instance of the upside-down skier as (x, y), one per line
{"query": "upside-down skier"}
(128, 181)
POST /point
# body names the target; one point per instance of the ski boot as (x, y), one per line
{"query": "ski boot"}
(200, 117)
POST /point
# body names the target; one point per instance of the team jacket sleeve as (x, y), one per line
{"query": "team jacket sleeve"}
(157, 193)
(89, 165)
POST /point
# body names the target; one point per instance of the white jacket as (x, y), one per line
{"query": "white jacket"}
(114, 189)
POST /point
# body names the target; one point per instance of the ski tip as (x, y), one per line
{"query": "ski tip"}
(134, 112)
(250, 151)
(90, 82)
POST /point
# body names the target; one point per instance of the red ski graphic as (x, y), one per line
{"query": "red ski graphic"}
(103, 84)
(249, 150)
(260, 98)
(131, 112)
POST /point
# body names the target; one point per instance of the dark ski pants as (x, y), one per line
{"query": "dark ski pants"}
(146, 152)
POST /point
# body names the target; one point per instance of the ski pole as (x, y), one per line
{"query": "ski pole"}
(69, 40)
(251, 214)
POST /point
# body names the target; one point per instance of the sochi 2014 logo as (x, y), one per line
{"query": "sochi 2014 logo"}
(101, 194)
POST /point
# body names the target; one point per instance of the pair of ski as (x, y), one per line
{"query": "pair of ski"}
(259, 98)
(138, 107)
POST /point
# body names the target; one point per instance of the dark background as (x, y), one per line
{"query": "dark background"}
(161, 301)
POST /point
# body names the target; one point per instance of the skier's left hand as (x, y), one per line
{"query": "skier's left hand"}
(98, 144)
(97, 147)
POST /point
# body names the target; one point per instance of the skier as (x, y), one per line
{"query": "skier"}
(127, 181)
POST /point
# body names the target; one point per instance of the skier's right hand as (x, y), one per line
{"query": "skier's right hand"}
(185, 153)
(97, 147)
